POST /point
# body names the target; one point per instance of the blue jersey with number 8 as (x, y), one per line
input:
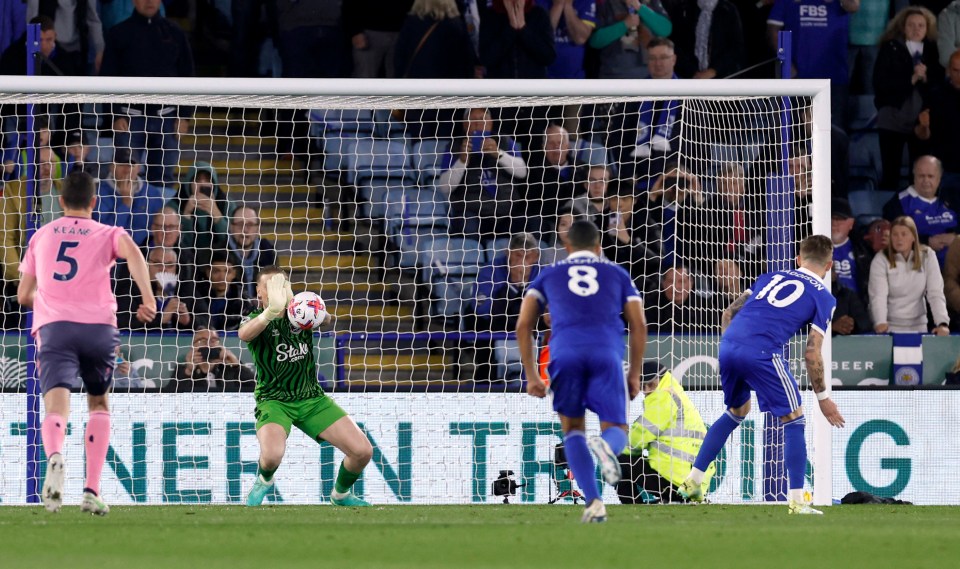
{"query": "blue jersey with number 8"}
(585, 296)
(781, 303)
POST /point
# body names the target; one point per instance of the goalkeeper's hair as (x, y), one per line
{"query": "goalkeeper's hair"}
(271, 270)
(817, 248)
(583, 234)
(77, 190)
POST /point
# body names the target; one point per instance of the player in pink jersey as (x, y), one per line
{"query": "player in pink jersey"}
(65, 278)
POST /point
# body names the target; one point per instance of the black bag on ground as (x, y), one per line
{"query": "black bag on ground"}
(868, 498)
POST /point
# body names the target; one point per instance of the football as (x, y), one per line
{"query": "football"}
(306, 311)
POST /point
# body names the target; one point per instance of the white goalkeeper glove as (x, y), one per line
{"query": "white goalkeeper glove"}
(277, 288)
(288, 289)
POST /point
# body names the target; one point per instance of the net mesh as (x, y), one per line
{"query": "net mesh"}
(419, 221)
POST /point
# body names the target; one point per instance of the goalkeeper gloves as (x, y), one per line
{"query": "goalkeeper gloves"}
(277, 289)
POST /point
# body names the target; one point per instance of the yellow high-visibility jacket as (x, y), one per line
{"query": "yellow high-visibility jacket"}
(672, 431)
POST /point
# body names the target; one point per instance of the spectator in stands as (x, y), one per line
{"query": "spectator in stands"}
(908, 65)
(552, 178)
(125, 376)
(558, 251)
(820, 34)
(877, 235)
(13, 61)
(308, 28)
(15, 157)
(939, 126)
(126, 200)
(209, 366)
(434, 43)
(621, 241)
(175, 310)
(674, 308)
(673, 212)
(373, 27)
(718, 49)
(149, 45)
(935, 217)
(76, 155)
(165, 232)
(798, 167)
(516, 40)
(253, 251)
(735, 220)
(204, 209)
(643, 135)
(901, 278)
(851, 258)
(948, 28)
(624, 27)
(500, 288)
(728, 285)
(482, 178)
(951, 283)
(220, 288)
(573, 21)
(591, 200)
(866, 27)
(851, 315)
(79, 33)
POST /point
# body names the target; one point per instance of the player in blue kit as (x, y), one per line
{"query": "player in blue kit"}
(589, 298)
(756, 328)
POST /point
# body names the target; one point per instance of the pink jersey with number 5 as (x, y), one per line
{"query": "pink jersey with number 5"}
(71, 258)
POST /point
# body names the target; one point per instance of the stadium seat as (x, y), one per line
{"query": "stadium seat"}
(373, 158)
(428, 158)
(341, 121)
(865, 155)
(863, 113)
(506, 355)
(385, 126)
(381, 197)
(867, 202)
(591, 153)
(450, 268)
(422, 215)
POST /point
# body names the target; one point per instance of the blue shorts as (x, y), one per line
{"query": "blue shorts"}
(68, 350)
(743, 368)
(589, 379)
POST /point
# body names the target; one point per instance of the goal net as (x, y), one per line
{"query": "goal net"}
(419, 212)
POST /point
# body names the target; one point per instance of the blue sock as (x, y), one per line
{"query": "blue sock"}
(795, 452)
(581, 463)
(616, 438)
(716, 437)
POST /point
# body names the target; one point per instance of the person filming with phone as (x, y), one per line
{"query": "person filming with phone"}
(209, 366)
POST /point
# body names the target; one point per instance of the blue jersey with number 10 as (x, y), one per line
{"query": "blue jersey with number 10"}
(586, 295)
(781, 304)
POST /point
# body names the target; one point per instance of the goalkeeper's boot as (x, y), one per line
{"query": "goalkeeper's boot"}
(52, 492)
(803, 508)
(609, 465)
(691, 491)
(259, 491)
(349, 499)
(92, 504)
(594, 513)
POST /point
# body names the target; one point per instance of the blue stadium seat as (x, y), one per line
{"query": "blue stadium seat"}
(450, 267)
(506, 355)
(428, 157)
(422, 215)
(336, 148)
(863, 113)
(344, 121)
(865, 155)
(591, 153)
(867, 202)
(385, 126)
(373, 158)
(381, 197)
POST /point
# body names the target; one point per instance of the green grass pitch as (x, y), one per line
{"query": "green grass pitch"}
(461, 537)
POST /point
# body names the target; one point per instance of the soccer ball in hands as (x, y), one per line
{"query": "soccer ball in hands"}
(306, 311)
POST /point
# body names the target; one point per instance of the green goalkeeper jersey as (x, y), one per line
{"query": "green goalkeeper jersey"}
(286, 368)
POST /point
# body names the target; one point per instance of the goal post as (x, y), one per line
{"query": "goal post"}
(359, 206)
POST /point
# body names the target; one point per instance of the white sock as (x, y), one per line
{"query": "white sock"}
(796, 495)
(265, 481)
(339, 495)
(696, 475)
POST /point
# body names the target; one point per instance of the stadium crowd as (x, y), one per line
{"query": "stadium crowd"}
(690, 228)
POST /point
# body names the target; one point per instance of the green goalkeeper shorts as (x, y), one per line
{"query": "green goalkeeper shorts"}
(312, 416)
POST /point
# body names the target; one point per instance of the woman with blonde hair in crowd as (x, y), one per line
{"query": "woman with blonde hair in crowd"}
(902, 277)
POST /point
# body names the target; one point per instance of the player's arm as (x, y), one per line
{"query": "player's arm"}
(637, 344)
(529, 313)
(814, 361)
(27, 289)
(277, 291)
(128, 250)
(733, 309)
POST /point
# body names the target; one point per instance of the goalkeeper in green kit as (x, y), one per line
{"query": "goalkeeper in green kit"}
(288, 393)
